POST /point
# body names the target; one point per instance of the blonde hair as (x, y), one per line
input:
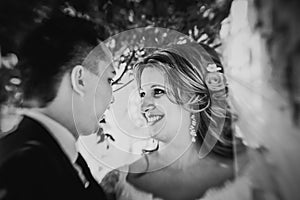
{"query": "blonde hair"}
(185, 71)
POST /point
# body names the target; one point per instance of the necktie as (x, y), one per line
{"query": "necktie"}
(89, 182)
(83, 170)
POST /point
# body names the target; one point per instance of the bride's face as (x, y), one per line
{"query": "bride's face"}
(164, 118)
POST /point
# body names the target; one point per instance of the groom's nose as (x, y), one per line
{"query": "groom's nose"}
(112, 99)
(111, 102)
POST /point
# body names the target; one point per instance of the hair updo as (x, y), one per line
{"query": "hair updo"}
(195, 79)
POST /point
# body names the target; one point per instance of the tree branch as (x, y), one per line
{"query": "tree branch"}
(126, 67)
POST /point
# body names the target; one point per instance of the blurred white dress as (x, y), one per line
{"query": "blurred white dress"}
(239, 189)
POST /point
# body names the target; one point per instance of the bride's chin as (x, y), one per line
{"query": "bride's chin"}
(159, 136)
(156, 132)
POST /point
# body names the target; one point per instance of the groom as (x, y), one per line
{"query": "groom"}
(67, 79)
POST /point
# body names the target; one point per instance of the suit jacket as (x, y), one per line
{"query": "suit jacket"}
(33, 166)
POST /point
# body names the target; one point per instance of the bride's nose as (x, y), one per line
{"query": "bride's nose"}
(147, 104)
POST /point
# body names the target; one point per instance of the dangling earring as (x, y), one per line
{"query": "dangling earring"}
(192, 128)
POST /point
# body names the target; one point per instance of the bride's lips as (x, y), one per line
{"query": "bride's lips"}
(153, 118)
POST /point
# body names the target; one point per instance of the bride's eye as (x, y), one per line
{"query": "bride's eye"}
(157, 92)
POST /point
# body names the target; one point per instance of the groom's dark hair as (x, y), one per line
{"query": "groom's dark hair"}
(52, 50)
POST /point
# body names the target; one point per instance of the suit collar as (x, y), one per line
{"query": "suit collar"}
(63, 137)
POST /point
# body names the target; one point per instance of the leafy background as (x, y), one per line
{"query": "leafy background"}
(199, 19)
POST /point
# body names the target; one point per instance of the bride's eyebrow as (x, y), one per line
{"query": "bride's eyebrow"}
(158, 85)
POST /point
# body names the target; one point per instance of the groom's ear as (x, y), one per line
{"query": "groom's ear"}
(78, 79)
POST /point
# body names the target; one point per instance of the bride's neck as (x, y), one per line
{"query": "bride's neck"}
(180, 153)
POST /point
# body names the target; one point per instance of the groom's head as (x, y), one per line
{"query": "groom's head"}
(67, 72)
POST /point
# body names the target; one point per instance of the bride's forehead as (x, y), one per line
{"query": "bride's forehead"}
(152, 76)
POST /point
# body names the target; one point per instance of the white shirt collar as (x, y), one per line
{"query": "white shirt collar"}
(63, 136)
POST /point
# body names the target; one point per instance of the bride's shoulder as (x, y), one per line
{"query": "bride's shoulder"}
(113, 178)
(117, 186)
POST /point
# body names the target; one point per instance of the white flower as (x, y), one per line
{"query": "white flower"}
(215, 81)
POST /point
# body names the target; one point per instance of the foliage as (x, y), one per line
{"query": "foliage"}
(200, 20)
(19, 17)
(188, 17)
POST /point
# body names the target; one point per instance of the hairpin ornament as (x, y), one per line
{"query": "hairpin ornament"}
(212, 67)
(214, 80)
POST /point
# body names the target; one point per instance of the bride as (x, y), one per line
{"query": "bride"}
(183, 95)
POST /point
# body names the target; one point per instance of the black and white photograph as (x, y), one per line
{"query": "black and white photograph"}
(149, 99)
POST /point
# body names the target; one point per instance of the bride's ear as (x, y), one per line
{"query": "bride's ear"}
(77, 79)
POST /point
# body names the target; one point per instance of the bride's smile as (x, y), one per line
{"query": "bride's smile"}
(153, 118)
(164, 118)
